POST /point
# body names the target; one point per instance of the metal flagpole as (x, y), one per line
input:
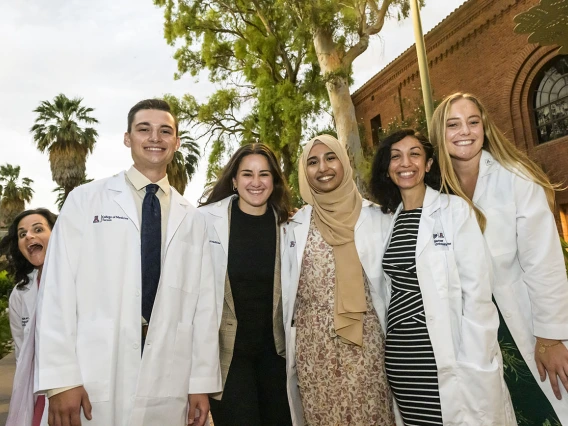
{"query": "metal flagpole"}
(422, 62)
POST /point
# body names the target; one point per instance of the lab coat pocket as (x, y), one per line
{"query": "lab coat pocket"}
(483, 400)
(94, 353)
(180, 368)
(187, 264)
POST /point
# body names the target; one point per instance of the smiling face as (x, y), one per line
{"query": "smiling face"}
(324, 171)
(464, 131)
(153, 141)
(254, 183)
(408, 163)
(33, 237)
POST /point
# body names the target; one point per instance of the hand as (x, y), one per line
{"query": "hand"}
(553, 361)
(65, 407)
(199, 402)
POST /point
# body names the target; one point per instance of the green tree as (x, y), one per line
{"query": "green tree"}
(14, 194)
(341, 31)
(60, 129)
(60, 191)
(184, 164)
(269, 78)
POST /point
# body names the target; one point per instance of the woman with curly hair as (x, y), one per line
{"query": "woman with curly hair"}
(25, 247)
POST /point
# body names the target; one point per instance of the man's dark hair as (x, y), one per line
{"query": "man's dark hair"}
(158, 104)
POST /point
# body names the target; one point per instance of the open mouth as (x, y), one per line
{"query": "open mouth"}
(35, 248)
(464, 143)
(255, 191)
(325, 179)
(154, 148)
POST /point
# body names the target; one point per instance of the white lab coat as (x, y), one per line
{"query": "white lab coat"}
(89, 310)
(530, 288)
(454, 272)
(217, 218)
(369, 244)
(22, 310)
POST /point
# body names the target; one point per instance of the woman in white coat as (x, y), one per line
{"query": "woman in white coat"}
(244, 210)
(531, 291)
(330, 268)
(442, 356)
(25, 246)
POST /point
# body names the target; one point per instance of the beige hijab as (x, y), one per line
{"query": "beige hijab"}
(336, 214)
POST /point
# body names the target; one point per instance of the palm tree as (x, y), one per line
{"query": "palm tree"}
(184, 164)
(58, 130)
(14, 195)
(60, 191)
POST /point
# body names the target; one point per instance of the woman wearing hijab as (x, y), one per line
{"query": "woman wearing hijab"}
(330, 270)
(25, 247)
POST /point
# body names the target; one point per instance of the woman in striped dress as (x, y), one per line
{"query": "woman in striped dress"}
(441, 352)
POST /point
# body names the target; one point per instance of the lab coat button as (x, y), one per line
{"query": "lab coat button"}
(430, 318)
(137, 293)
(135, 346)
(508, 314)
(529, 357)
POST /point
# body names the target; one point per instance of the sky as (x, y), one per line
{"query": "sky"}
(113, 54)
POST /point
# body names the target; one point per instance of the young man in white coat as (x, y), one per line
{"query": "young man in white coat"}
(128, 270)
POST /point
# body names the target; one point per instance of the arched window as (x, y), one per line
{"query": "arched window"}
(551, 100)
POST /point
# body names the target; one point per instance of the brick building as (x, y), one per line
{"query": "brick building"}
(524, 86)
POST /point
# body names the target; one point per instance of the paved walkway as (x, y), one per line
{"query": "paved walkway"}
(7, 368)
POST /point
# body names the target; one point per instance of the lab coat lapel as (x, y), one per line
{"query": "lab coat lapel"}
(487, 165)
(124, 198)
(301, 233)
(177, 214)
(431, 204)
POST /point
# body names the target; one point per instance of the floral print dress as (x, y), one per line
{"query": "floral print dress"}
(340, 384)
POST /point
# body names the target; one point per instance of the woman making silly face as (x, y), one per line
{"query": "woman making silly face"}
(25, 247)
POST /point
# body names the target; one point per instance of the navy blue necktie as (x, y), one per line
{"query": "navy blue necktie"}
(151, 243)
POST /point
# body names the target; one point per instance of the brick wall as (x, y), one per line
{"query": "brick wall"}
(473, 50)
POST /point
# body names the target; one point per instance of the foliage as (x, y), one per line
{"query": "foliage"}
(14, 194)
(5, 333)
(341, 31)
(6, 286)
(58, 130)
(184, 164)
(270, 88)
(565, 252)
(60, 191)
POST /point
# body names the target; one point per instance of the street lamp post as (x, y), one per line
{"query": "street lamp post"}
(422, 62)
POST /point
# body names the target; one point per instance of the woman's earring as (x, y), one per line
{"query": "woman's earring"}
(234, 188)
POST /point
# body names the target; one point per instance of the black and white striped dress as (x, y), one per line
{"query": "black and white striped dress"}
(409, 357)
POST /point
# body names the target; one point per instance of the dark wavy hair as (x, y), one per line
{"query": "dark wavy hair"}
(279, 200)
(383, 189)
(18, 266)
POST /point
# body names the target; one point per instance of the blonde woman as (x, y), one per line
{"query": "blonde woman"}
(331, 262)
(514, 201)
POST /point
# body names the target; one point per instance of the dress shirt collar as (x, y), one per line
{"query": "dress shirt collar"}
(140, 181)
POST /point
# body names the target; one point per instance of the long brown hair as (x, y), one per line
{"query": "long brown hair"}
(501, 148)
(279, 200)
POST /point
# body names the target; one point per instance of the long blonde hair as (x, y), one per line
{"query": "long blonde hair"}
(501, 148)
